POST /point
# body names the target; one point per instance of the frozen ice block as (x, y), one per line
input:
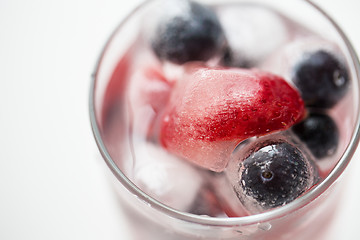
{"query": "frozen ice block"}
(165, 177)
(253, 32)
(211, 110)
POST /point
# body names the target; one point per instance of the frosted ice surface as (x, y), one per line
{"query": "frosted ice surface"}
(253, 32)
(156, 14)
(168, 179)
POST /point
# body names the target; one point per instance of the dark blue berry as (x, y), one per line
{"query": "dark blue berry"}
(194, 34)
(321, 78)
(320, 134)
(274, 175)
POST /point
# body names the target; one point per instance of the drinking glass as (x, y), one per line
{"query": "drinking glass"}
(307, 217)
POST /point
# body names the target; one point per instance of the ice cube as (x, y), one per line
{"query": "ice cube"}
(211, 110)
(271, 172)
(147, 94)
(283, 61)
(165, 177)
(253, 32)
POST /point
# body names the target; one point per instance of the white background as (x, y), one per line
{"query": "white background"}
(53, 183)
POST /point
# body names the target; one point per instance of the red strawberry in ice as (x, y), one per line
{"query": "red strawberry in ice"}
(211, 110)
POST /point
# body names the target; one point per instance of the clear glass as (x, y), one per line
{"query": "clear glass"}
(305, 218)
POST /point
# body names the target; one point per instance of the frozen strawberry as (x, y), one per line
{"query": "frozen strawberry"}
(211, 110)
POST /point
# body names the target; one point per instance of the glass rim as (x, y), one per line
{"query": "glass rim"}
(298, 203)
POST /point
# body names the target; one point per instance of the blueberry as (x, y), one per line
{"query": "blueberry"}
(274, 175)
(320, 133)
(321, 78)
(192, 34)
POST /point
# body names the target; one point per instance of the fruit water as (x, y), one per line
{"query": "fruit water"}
(226, 110)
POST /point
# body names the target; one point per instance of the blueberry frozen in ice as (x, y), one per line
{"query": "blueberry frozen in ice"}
(271, 175)
(320, 134)
(321, 78)
(191, 32)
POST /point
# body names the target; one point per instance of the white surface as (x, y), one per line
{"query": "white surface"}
(52, 179)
